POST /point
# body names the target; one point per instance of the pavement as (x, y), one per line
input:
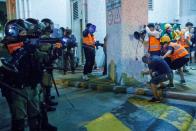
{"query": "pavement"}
(107, 111)
(101, 105)
(137, 114)
(190, 78)
(87, 105)
(103, 84)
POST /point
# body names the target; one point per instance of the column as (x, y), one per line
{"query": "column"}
(124, 52)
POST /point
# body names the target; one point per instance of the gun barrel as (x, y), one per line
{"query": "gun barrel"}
(49, 40)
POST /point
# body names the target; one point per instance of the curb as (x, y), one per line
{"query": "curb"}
(108, 86)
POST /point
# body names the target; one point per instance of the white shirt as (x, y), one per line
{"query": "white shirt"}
(151, 33)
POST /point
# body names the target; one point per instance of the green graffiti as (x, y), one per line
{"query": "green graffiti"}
(112, 71)
(129, 81)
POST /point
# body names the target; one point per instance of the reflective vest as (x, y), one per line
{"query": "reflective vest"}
(89, 40)
(58, 45)
(183, 41)
(154, 44)
(179, 51)
(14, 46)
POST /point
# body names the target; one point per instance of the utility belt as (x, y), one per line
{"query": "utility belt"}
(88, 46)
(168, 74)
(69, 49)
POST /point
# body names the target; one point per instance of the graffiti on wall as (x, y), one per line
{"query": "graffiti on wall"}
(113, 8)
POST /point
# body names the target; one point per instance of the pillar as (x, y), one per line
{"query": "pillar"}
(11, 9)
(124, 52)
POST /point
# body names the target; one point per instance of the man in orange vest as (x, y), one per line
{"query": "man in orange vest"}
(89, 49)
(187, 36)
(185, 39)
(176, 56)
(152, 38)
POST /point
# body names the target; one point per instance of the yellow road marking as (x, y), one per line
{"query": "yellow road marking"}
(107, 122)
(182, 119)
(193, 126)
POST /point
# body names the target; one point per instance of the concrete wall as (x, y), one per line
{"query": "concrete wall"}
(188, 11)
(132, 20)
(97, 16)
(169, 10)
(123, 50)
(59, 11)
(164, 11)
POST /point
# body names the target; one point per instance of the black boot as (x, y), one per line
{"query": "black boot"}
(49, 108)
(18, 125)
(45, 125)
(52, 97)
(52, 103)
(34, 123)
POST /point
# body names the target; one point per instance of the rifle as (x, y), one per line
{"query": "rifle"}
(4, 85)
(49, 40)
(57, 92)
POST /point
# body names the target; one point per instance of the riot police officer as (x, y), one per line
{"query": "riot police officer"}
(22, 79)
(69, 42)
(48, 62)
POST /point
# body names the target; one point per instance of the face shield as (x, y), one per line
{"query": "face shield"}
(15, 28)
(92, 29)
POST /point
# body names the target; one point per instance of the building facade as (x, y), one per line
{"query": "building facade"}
(163, 11)
(119, 21)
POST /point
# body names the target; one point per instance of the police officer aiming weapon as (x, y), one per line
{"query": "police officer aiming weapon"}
(20, 75)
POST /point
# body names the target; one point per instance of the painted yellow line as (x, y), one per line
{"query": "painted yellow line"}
(107, 122)
(193, 126)
(180, 119)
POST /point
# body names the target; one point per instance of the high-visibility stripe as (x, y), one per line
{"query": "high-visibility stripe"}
(173, 115)
(107, 122)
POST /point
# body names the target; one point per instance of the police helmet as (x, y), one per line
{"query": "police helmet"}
(49, 25)
(14, 27)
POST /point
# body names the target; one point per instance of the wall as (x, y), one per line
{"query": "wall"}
(164, 11)
(123, 50)
(188, 11)
(59, 11)
(11, 9)
(97, 16)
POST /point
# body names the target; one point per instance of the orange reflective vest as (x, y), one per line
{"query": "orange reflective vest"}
(89, 40)
(13, 47)
(58, 45)
(179, 51)
(154, 44)
(183, 41)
